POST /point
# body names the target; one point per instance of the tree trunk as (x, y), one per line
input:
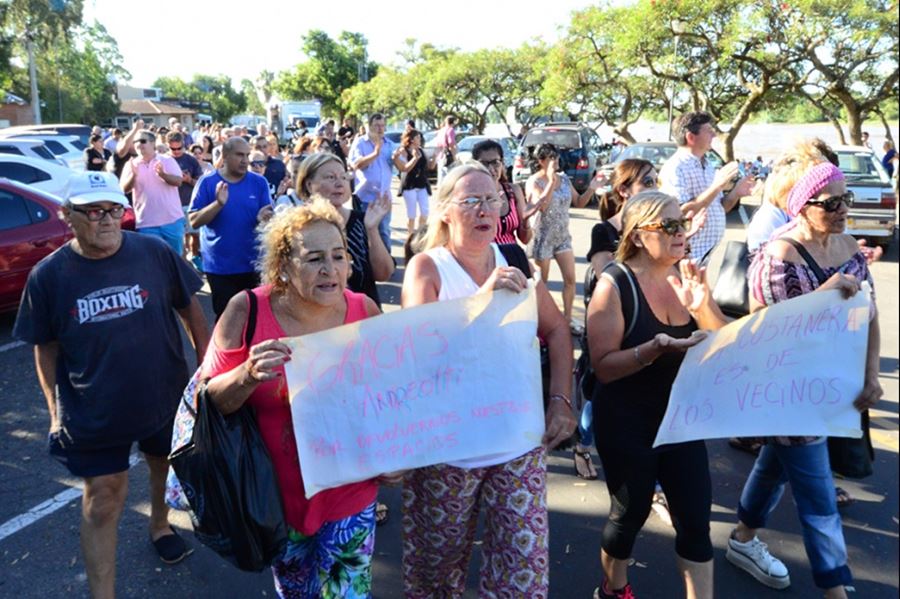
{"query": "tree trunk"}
(840, 130)
(854, 124)
(740, 119)
(887, 127)
(622, 131)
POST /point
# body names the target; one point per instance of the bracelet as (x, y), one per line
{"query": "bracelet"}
(637, 356)
(563, 398)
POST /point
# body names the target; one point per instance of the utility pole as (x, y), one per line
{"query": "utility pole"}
(32, 72)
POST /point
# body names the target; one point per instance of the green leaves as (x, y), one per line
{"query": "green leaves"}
(332, 66)
(224, 101)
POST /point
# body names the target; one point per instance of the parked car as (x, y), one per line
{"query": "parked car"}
(581, 152)
(66, 147)
(656, 152)
(30, 228)
(34, 148)
(510, 148)
(873, 215)
(82, 132)
(39, 173)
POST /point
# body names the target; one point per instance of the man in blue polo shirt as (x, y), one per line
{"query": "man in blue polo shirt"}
(229, 204)
(370, 156)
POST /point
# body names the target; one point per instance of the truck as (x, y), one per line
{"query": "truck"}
(286, 117)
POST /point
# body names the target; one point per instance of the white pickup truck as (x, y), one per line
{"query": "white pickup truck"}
(873, 214)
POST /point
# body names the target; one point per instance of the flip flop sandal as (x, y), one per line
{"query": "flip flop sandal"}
(381, 514)
(587, 473)
(171, 548)
(844, 498)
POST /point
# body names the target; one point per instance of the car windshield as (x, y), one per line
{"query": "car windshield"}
(655, 154)
(862, 166)
(43, 152)
(561, 138)
(77, 143)
(468, 143)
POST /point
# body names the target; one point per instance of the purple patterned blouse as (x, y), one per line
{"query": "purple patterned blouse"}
(773, 280)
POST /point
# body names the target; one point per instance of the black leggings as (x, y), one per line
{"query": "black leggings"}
(683, 472)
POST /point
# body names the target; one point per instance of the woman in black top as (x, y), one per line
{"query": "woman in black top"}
(413, 165)
(95, 155)
(636, 372)
(323, 174)
(630, 177)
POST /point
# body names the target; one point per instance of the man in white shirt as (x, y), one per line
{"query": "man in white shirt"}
(690, 177)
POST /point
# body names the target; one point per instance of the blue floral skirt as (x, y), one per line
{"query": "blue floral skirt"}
(336, 562)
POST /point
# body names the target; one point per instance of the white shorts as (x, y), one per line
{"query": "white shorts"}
(414, 197)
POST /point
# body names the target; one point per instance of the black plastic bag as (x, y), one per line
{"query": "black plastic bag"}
(852, 458)
(229, 480)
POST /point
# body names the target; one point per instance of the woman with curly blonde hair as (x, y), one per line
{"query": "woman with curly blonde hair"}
(305, 265)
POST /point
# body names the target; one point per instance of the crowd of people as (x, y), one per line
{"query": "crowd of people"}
(292, 244)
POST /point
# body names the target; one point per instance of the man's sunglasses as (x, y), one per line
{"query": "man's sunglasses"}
(833, 204)
(257, 163)
(143, 140)
(176, 148)
(669, 226)
(96, 214)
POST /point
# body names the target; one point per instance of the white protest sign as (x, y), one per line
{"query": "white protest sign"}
(791, 369)
(436, 383)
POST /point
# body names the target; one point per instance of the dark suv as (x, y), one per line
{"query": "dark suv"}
(580, 151)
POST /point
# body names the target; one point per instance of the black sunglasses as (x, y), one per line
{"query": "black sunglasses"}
(143, 141)
(833, 204)
(258, 163)
(97, 214)
(176, 148)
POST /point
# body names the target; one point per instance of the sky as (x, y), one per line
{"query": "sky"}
(227, 37)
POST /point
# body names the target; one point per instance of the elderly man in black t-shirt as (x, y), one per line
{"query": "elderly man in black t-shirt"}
(101, 314)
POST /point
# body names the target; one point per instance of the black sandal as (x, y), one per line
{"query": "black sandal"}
(171, 548)
(381, 514)
(749, 444)
(588, 464)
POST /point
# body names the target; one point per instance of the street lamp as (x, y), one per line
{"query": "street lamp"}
(678, 28)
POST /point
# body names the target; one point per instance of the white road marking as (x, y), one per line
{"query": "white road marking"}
(9, 346)
(60, 500)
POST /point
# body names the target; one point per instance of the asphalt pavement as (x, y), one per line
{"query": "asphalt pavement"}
(40, 502)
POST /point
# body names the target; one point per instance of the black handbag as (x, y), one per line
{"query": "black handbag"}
(852, 458)
(732, 292)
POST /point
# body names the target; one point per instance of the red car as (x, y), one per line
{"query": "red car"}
(30, 228)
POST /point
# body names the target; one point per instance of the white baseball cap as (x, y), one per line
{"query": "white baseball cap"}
(95, 186)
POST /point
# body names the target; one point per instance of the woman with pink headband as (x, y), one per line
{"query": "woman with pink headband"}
(809, 254)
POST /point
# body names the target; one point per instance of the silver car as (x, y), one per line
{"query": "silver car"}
(873, 214)
(509, 144)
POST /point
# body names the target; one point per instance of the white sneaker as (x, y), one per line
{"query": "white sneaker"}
(754, 558)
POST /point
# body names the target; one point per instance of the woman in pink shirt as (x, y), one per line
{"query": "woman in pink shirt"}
(305, 265)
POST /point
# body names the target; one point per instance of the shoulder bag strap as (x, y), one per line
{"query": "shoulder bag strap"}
(515, 256)
(251, 318)
(810, 261)
(630, 303)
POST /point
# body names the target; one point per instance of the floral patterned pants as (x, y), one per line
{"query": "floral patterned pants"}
(336, 562)
(440, 512)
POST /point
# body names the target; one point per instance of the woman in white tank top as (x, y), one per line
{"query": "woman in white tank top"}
(441, 503)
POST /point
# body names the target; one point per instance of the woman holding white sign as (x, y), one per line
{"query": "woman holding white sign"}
(641, 319)
(811, 253)
(305, 265)
(441, 503)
